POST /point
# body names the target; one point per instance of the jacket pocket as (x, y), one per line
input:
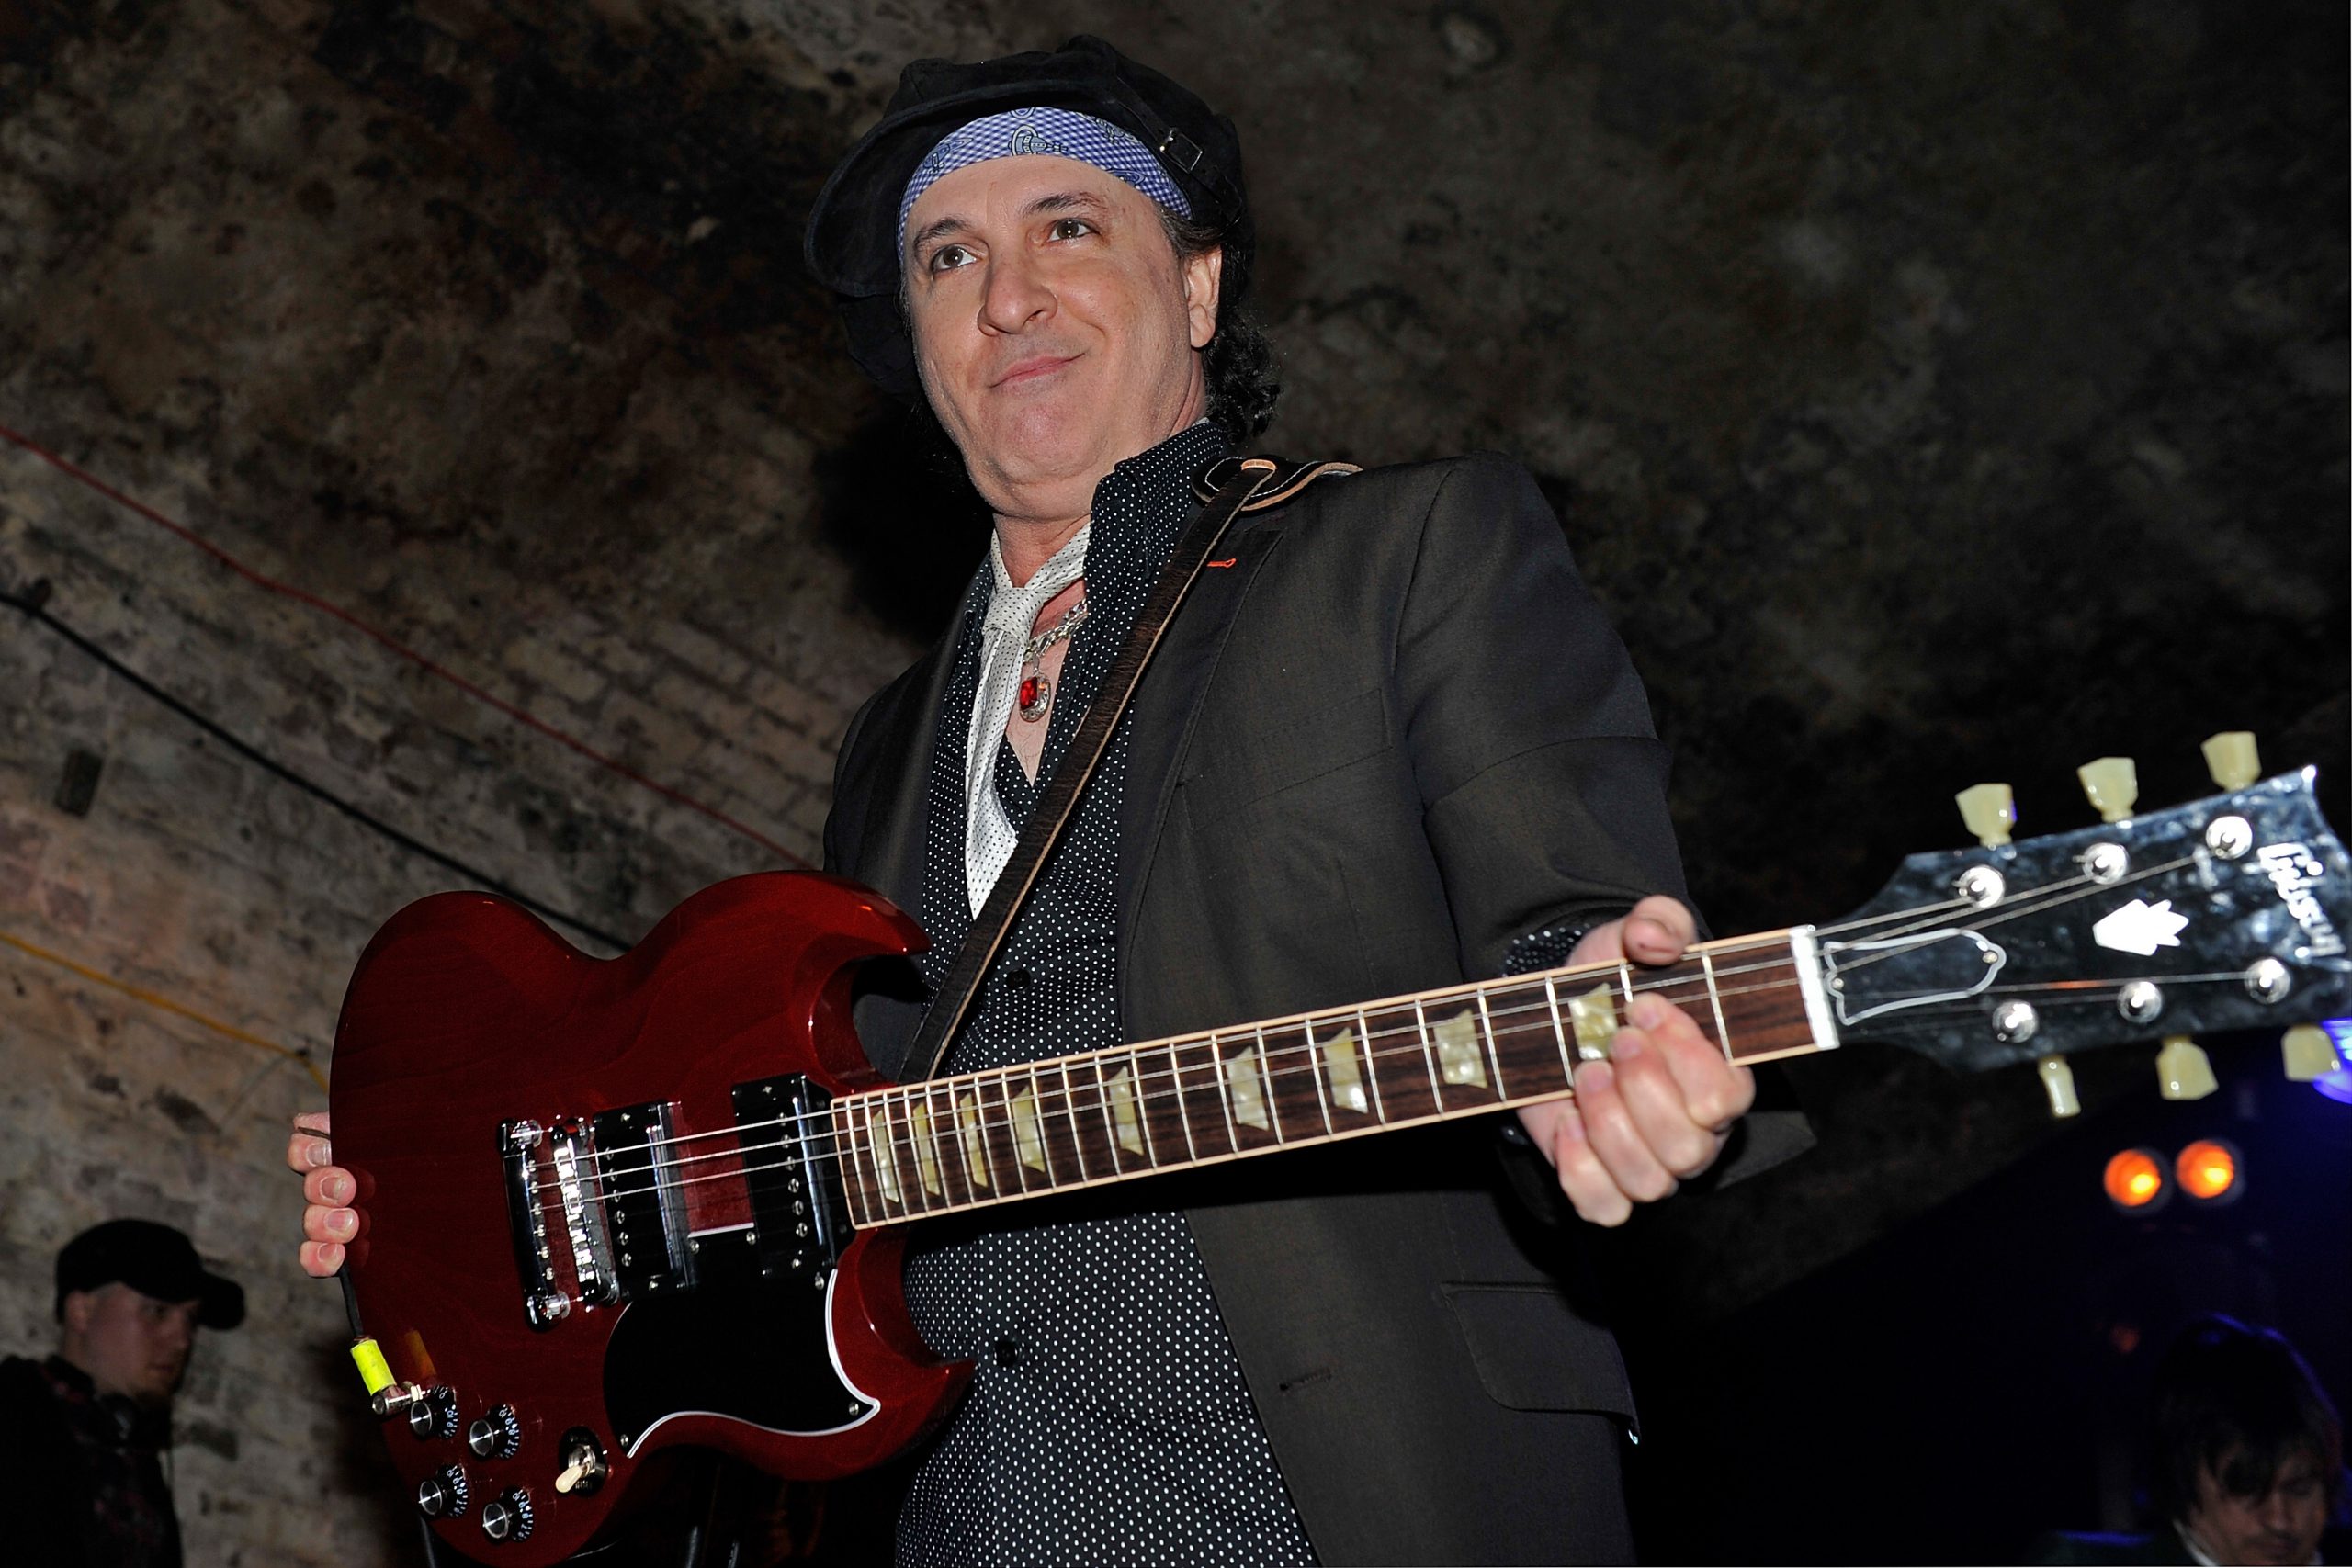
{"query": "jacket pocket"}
(1273, 751)
(1533, 1352)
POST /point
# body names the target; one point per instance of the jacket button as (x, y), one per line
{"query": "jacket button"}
(1017, 980)
(1008, 1353)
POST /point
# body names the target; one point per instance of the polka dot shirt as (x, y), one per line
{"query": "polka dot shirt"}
(1107, 1420)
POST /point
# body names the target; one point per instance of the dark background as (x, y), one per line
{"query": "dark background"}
(1933, 392)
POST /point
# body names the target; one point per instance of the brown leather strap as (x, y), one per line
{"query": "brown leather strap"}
(1238, 482)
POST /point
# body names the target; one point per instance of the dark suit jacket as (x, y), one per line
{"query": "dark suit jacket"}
(1393, 735)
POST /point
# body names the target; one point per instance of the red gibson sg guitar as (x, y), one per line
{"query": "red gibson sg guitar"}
(611, 1207)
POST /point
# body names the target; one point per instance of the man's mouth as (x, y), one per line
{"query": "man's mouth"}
(1032, 368)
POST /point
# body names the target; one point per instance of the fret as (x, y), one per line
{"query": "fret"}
(1176, 1091)
(926, 1143)
(1314, 1073)
(1406, 1095)
(1626, 978)
(1274, 1087)
(971, 1137)
(939, 1112)
(1592, 1019)
(1027, 1118)
(1200, 1083)
(1130, 1129)
(885, 1159)
(1248, 1096)
(1770, 1004)
(1364, 1045)
(1090, 1119)
(1224, 1092)
(995, 1091)
(1428, 1055)
(1460, 1055)
(1716, 998)
(1559, 1029)
(1523, 1030)
(1338, 1058)
(853, 1174)
(1494, 1058)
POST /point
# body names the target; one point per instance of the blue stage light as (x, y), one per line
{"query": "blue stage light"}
(2338, 1085)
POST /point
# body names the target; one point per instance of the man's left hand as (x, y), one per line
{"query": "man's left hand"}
(1658, 1110)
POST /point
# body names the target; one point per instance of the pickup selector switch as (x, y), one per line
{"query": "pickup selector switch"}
(432, 1414)
(443, 1495)
(496, 1435)
(507, 1517)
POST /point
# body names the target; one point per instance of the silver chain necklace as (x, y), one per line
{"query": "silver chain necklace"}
(1035, 699)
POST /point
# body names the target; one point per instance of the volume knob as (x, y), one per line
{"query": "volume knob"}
(432, 1414)
(443, 1494)
(495, 1435)
(507, 1517)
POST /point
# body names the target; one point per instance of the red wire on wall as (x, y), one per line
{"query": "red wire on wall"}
(422, 661)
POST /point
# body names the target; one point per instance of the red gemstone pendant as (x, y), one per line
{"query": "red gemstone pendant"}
(1034, 696)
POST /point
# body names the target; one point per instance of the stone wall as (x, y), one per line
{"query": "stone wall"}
(1934, 394)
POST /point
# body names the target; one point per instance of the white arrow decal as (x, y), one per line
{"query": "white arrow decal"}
(2141, 927)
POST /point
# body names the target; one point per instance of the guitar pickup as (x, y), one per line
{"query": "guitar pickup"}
(648, 1249)
(783, 1129)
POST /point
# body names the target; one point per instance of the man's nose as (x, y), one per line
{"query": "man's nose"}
(1016, 295)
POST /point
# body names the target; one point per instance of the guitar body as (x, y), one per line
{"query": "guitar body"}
(465, 1017)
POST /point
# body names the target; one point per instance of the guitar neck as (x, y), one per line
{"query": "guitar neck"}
(977, 1139)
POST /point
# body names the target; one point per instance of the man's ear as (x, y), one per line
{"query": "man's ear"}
(79, 1305)
(1203, 274)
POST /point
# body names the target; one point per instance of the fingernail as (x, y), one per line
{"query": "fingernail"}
(338, 1191)
(344, 1225)
(1647, 1010)
(1627, 1045)
(314, 1152)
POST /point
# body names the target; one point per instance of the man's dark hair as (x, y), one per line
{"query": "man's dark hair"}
(2237, 1403)
(1238, 363)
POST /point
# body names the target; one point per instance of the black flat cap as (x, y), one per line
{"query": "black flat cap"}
(154, 1260)
(853, 243)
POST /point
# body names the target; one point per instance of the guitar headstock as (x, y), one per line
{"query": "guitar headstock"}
(2230, 912)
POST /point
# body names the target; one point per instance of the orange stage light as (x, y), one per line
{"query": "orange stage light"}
(2135, 1178)
(2207, 1169)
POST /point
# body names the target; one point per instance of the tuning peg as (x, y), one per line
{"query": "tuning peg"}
(2113, 785)
(2182, 1070)
(1990, 812)
(2309, 1054)
(2058, 1083)
(2231, 758)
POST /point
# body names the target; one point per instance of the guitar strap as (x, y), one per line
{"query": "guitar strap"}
(1226, 488)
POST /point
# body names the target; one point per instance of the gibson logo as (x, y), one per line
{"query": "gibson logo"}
(2294, 871)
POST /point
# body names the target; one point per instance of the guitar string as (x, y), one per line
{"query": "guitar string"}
(1051, 1104)
(2038, 901)
(1608, 971)
(2035, 901)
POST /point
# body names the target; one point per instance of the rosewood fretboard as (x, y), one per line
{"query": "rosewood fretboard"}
(976, 1139)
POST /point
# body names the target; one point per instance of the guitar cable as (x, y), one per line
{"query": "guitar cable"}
(32, 603)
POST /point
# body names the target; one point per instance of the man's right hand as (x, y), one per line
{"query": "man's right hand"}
(326, 1187)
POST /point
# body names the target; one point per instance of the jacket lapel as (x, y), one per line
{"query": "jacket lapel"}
(888, 854)
(1160, 722)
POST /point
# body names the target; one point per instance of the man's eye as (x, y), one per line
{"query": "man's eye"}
(949, 257)
(1071, 227)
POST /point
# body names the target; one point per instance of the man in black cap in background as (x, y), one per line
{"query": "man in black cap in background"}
(81, 1433)
(1390, 744)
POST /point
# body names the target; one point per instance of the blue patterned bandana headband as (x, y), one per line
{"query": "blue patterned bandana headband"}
(1060, 133)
